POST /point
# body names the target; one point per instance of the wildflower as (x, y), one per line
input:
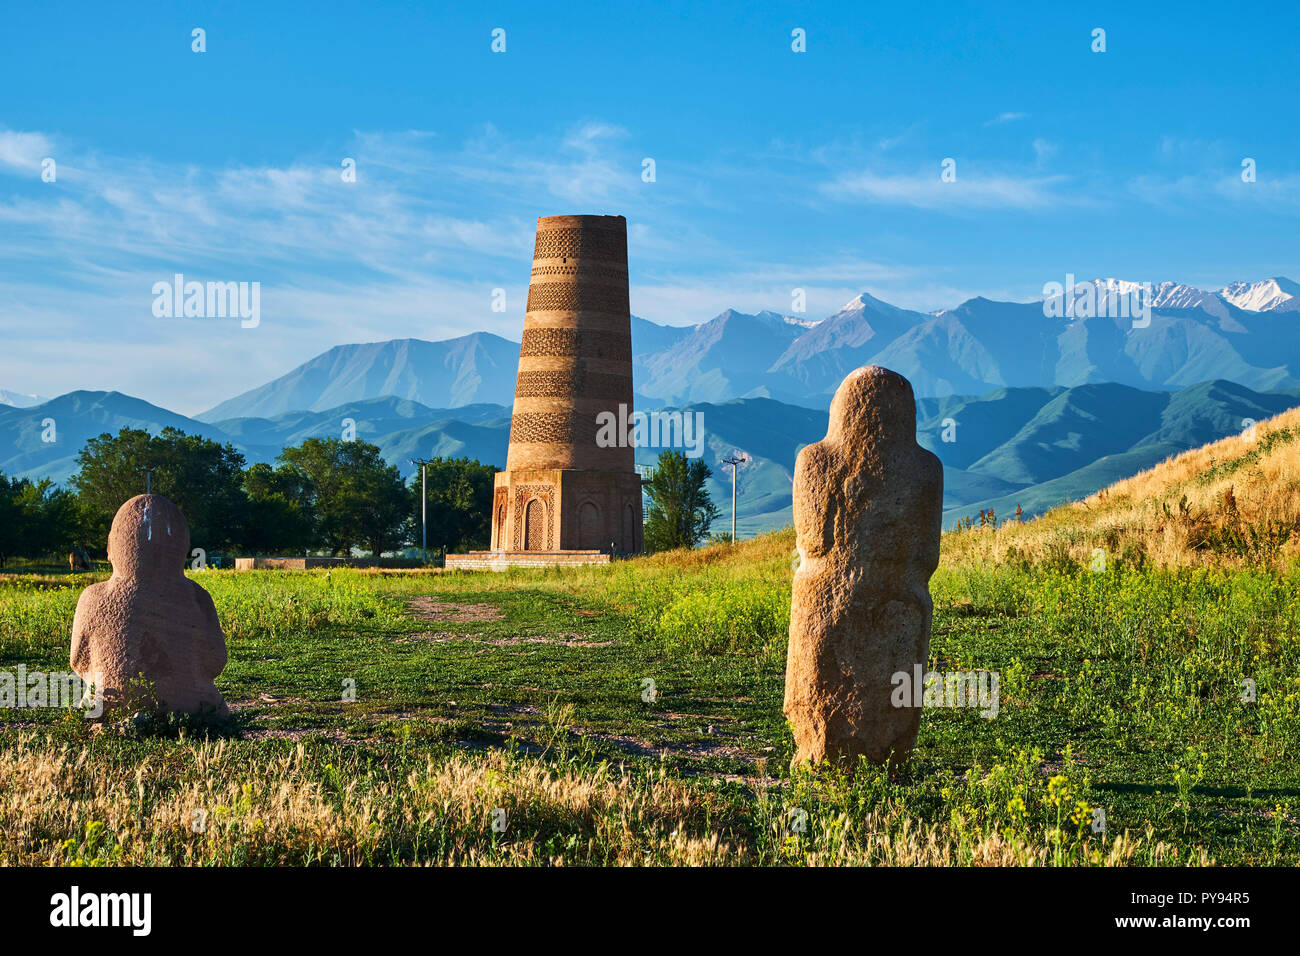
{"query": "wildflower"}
(1058, 791)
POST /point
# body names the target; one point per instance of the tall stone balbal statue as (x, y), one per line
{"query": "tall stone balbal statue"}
(867, 517)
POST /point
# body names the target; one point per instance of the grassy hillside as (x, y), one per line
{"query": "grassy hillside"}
(1078, 440)
(1233, 502)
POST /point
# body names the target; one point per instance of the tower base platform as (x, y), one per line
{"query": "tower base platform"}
(500, 560)
(562, 511)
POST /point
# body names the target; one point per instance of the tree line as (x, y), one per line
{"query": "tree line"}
(325, 495)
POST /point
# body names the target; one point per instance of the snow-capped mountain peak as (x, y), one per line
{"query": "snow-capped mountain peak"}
(1111, 286)
(1175, 295)
(1267, 295)
(18, 399)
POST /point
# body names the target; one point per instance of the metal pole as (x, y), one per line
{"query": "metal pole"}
(424, 506)
(734, 461)
(734, 469)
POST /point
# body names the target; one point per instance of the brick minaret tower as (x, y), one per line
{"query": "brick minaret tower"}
(561, 490)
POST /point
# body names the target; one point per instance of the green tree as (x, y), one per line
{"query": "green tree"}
(680, 509)
(383, 511)
(203, 477)
(460, 503)
(38, 519)
(279, 510)
(356, 497)
(54, 519)
(318, 464)
(12, 519)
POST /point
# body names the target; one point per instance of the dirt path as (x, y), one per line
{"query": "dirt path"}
(429, 608)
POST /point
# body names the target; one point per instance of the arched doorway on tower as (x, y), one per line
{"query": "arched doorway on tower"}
(629, 529)
(589, 528)
(535, 538)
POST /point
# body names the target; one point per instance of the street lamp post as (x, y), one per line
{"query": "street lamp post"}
(734, 461)
(424, 507)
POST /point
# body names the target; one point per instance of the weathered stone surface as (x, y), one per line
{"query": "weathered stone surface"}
(867, 516)
(149, 636)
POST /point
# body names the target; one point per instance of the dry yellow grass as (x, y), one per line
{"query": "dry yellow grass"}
(206, 803)
(775, 547)
(1233, 502)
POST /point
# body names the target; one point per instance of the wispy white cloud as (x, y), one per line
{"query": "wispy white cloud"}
(21, 151)
(927, 190)
(887, 143)
(1268, 192)
(1003, 118)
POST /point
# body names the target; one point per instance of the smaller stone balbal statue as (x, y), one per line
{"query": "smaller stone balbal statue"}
(148, 638)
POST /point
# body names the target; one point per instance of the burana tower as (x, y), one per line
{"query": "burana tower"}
(564, 498)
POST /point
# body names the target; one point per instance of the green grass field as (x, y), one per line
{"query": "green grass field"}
(508, 719)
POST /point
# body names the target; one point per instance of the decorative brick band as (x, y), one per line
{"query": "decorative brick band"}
(568, 383)
(589, 242)
(567, 297)
(587, 343)
(553, 428)
(617, 388)
(606, 271)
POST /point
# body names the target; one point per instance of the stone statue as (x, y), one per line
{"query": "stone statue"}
(148, 638)
(867, 516)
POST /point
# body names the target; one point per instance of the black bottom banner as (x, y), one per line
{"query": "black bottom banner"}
(340, 906)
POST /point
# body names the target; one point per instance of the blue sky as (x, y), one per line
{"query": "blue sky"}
(774, 169)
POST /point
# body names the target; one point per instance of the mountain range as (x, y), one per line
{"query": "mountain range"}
(1245, 332)
(1037, 409)
(471, 369)
(1034, 447)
